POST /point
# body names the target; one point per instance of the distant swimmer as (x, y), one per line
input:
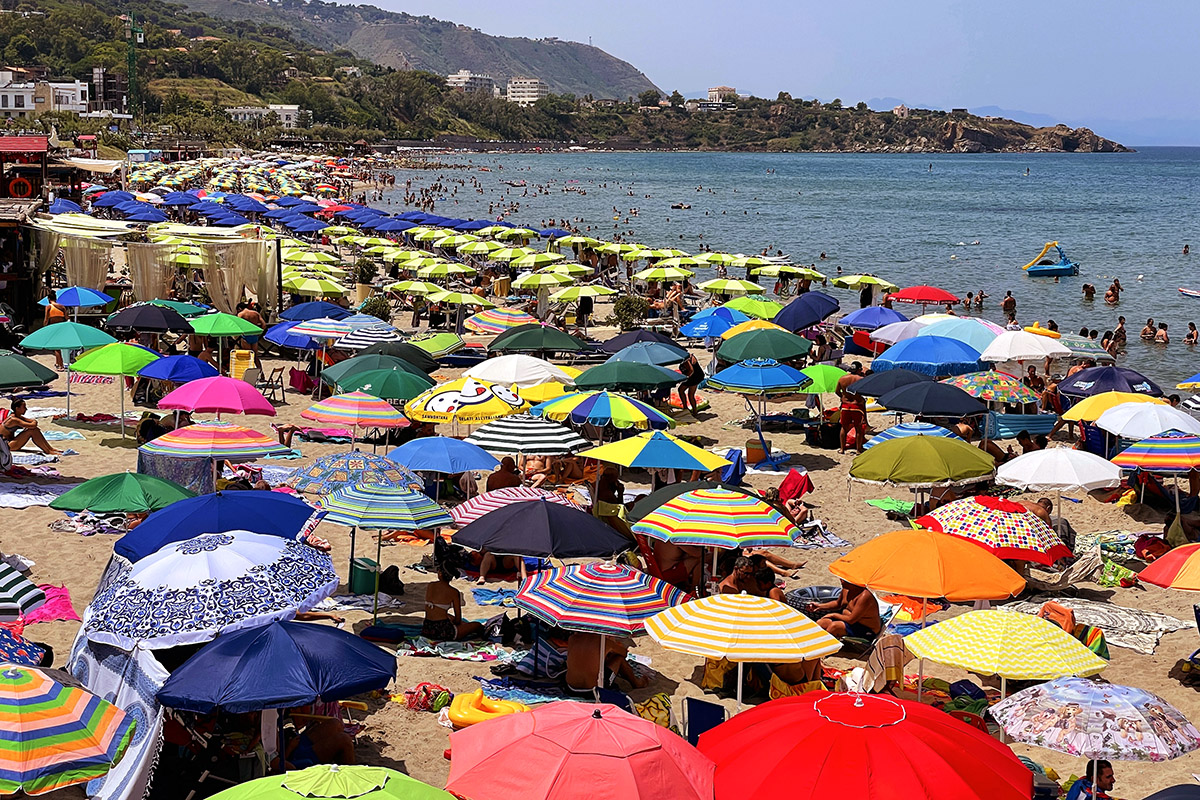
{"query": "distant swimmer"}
(1113, 295)
(1027, 172)
(1187, 248)
(1161, 337)
(1148, 331)
(1089, 292)
(931, 167)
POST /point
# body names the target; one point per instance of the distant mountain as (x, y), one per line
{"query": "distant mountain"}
(404, 41)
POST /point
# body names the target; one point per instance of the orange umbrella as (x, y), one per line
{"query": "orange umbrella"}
(1178, 569)
(921, 563)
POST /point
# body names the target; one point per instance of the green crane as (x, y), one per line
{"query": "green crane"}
(134, 35)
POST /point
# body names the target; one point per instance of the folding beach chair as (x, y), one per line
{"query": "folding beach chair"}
(700, 716)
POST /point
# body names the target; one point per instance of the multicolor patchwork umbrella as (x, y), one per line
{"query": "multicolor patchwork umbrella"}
(609, 599)
(467, 400)
(528, 435)
(476, 507)
(657, 450)
(18, 594)
(603, 408)
(1096, 720)
(1170, 452)
(383, 507)
(1007, 529)
(55, 736)
(498, 320)
(217, 440)
(906, 429)
(331, 472)
(993, 386)
(718, 518)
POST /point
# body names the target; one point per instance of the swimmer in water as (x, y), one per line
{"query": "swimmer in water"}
(1148, 331)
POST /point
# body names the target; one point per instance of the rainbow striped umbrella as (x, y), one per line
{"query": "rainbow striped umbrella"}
(609, 599)
(1169, 452)
(55, 736)
(906, 429)
(498, 320)
(476, 507)
(603, 408)
(381, 507)
(718, 518)
(993, 386)
(357, 409)
(214, 440)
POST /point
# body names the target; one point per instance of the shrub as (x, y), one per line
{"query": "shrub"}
(630, 310)
(377, 306)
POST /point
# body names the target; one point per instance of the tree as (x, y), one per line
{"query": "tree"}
(835, 105)
(649, 98)
(677, 100)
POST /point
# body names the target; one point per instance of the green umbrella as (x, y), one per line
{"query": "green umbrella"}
(537, 280)
(576, 292)
(763, 343)
(443, 270)
(658, 274)
(626, 376)
(459, 299)
(66, 336)
(536, 336)
(537, 260)
(508, 253)
(730, 286)
(114, 359)
(221, 324)
(184, 309)
(18, 372)
(438, 344)
(124, 492)
(859, 281)
(371, 362)
(330, 782)
(825, 378)
(478, 248)
(386, 384)
(922, 461)
(414, 287)
(752, 306)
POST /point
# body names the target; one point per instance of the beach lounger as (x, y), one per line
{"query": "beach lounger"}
(1007, 426)
(700, 716)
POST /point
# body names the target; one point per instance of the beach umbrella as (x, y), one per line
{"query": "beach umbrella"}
(860, 281)
(281, 334)
(222, 325)
(474, 247)
(81, 296)
(730, 287)
(752, 325)
(871, 317)
(823, 745)
(442, 454)
(927, 564)
(572, 293)
(790, 270)
(1179, 568)
(313, 287)
(518, 369)
(906, 429)
(331, 781)
(718, 518)
(371, 362)
(658, 274)
(542, 529)
(498, 320)
(438, 344)
(824, 378)
(413, 287)
(509, 254)
(976, 333)
(482, 504)
(440, 269)
(460, 299)
(367, 336)
(712, 322)
(894, 332)
(652, 501)
(114, 359)
(191, 591)
(1060, 469)
(656, 450)
(540, 280)
(1179, 792)
(601, 409)
(921, 462)
(386, 384)
(569, 268)
(66, 336)
(930, 399)
(880, 383)
(923, 295)
(1090, 408)
(931, 355)
(623, 340)
(627, 376)
(658, 354)
(178, 369)
(403, 351)
(123, 492)
(994, 387)
(1142, 420)
(1007, 529)
(1081, 347)
(353, 468)
(1095, 380)
(215, 440)
(308, 257)
(535, 260)
(20, 372)
(806, 311)
(18, 595)
(779, 345)
(1170, 452)
(316, 309)
(468, 400)
(217, 395)
(55, 735)
(555, 751)
(268, 513)
(356, 409)
(151, 318)
(278, 665)
(1108, 721)
(64, 206)
(1022, 346)
(759, 376)
(522, 434)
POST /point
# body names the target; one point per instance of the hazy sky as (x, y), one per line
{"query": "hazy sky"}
(1100, 60)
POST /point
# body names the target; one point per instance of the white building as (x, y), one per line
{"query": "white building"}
(27, 98)
(526, 91)
(901, 111)
(718, 94)
(288, 115)
(468, 81)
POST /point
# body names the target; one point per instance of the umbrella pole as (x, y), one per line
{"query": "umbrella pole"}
(121, 388)
(378, 557)
(353, 530)
(738, 710)
(600, 672)
(1003, 694)
(68, 391)
(1177, 496)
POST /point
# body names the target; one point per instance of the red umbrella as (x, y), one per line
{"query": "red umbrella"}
(569, 750)
(870, 747)
(925, 295)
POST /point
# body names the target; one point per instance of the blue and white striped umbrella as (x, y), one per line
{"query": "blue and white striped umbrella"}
(384, 508)
(906, 429)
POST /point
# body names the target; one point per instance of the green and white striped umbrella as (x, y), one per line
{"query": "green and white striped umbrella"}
(509, 253)
(414, 287)
(572, 293)
(652, 274)
(730, 286)
(516, 233)
(535, 260)
(478, 248)
(445, 269)
(456, 240)
(572, 268)
(381, 507)
(459, 299)
(537, 280)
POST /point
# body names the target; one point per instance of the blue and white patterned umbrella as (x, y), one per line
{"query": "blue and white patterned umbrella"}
(907, 429)
(188, 592)
(384, 508)
(334, 471)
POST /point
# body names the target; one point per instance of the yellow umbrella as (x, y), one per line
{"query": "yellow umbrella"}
(656, 450)
(544, 391)
(1089, 409)
(752, 325)
(467, 400)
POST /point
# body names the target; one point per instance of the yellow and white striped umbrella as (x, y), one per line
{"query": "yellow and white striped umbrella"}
(1005, 643)
(741, 627)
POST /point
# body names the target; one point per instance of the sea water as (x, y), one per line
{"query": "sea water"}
(961, 222)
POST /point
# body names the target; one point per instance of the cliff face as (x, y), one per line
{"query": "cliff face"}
(1007, 136)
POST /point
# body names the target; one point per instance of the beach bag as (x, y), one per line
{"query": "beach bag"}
(658, 710)
(1149, 547)
(779, 688)
(427, 697)
(1113, 574)
(717, 673)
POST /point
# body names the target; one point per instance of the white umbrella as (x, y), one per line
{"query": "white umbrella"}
(518, 369)
(1023, 346)
(1058, 470)
(897, 331)
(1143, 420)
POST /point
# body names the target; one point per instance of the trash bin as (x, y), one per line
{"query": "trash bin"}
(363, 572)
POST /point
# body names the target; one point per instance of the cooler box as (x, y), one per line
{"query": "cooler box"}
(755, 452)
(363, 574)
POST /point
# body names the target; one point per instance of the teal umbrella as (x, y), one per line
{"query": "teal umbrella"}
(626, 375)
(19, 372)
(185, 309)
(763, 343)
(66, 336)
(386, 384)
(124, 492)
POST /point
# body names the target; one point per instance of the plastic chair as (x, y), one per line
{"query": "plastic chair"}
(700, 716)
(974, 720)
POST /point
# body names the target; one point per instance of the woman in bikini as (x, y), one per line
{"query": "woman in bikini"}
(19, 430)
(443, 603)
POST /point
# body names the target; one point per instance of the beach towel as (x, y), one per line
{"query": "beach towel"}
(26, 495)
(358, 602)
(458, 651)
(57, 607)
(534, 692)
(736, 470)
(130, 681)
(62, 436)
(1118, 544)
(79, 377)
(43, 412)
(25, 596)
(494, 597)
(277, 475)
(328, 435)
(1130, 628)
(795, 485)
(814, 536)
(544, 660)
(86, 523)
(191, 473)
(32, 459)
(288, 456)
(39, 394)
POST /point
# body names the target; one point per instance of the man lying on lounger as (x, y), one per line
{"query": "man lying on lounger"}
(18, 430)
(854, 613)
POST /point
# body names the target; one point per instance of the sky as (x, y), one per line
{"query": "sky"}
(1120, 68)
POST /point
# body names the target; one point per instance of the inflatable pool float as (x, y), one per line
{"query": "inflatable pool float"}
(469, 709)
(675, 402)
(1040, 331)
(1046, 268)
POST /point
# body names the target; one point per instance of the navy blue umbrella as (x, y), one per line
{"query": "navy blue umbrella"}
(553, 233)
(307, 208)
(229, 220)
(280, 665)
(288, 202)
(151, 215)
(64, 206)
(413, 216)
(281, 213)
(542, 529)
(207, 207)
(269, 513)
(931, 399)
(391, 224)
(149, 317)
(872, 317)
(1095, 380)
(806, 310)
(178, 369)
(179, 199)
(111, 199)
(442, 454)
(314, 309)
(1184, 791)
(623, 340)
(880, 383)
(475, 225)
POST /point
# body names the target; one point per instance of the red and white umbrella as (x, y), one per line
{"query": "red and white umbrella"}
(476, 507)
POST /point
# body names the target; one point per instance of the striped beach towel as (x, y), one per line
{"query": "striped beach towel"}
(79, 377)
(18, 595)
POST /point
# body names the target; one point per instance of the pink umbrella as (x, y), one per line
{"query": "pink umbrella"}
(216, 395)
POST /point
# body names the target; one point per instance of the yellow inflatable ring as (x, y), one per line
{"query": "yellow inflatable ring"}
(1040, 331)
(469, 709)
